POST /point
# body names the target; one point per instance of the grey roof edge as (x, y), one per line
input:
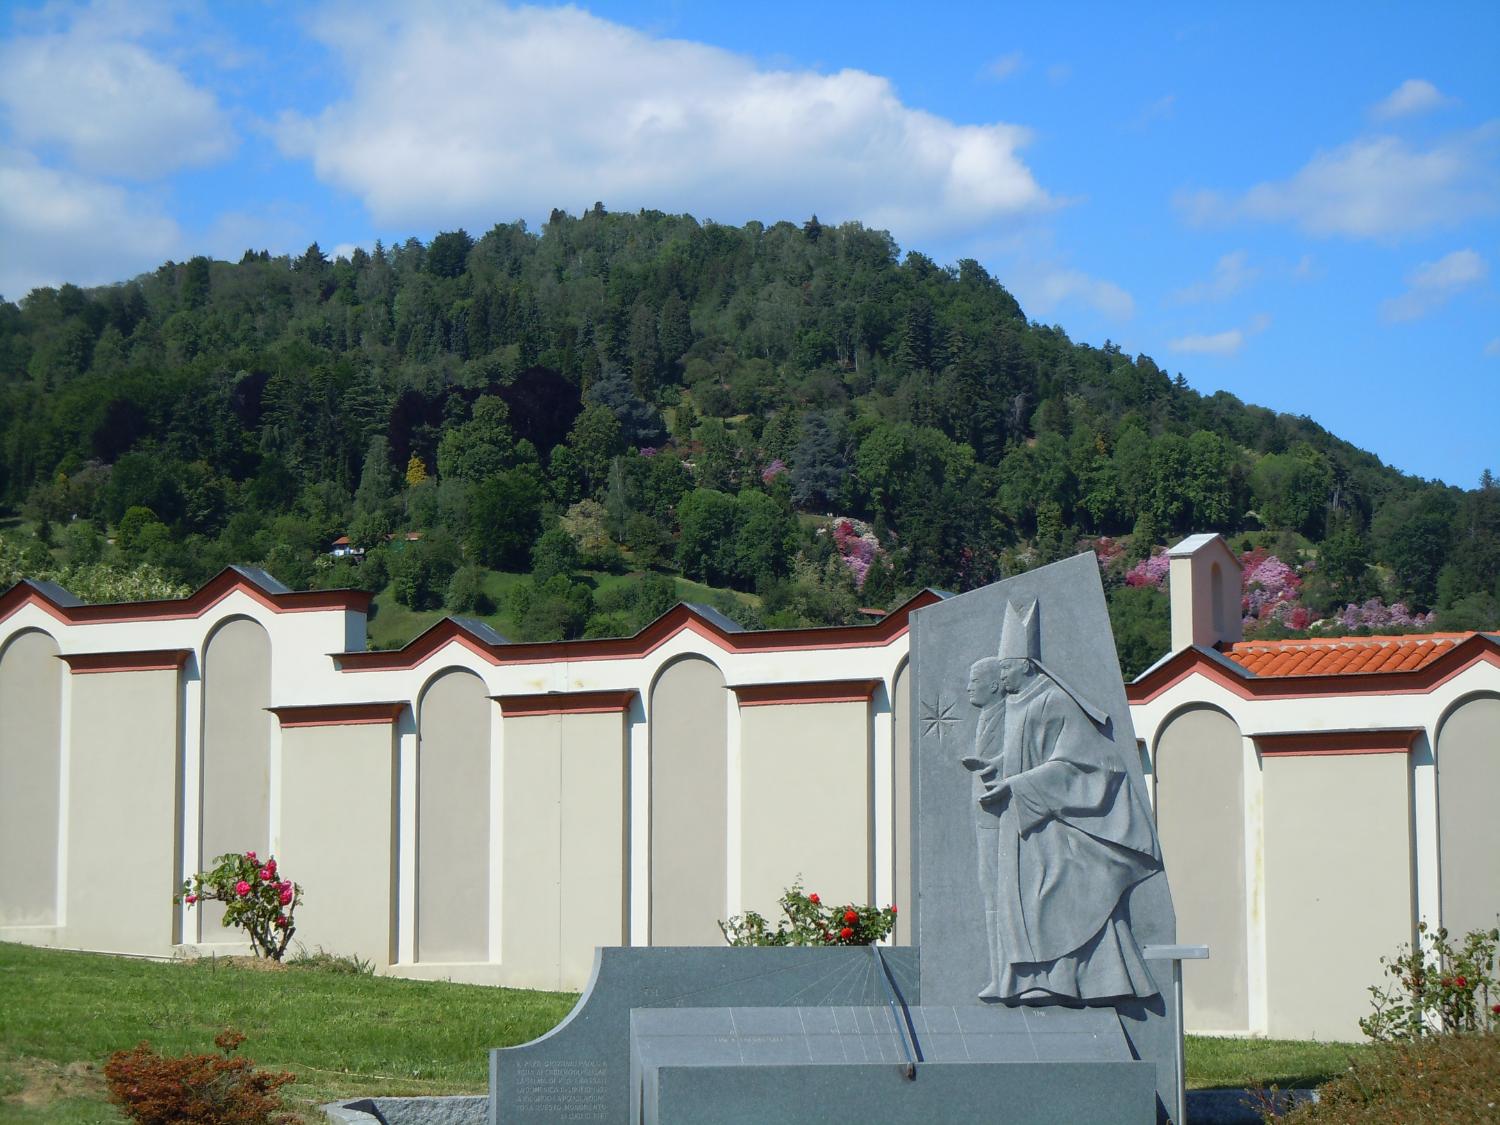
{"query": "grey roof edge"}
(263, 580)
(54, 593)
(712, 615)
(1212, 653)
(480, 630)
(1194, 543)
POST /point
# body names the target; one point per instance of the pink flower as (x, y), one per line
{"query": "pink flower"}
(267, 874)
(286, 894)
(250, 856)
(271, 867)
(190, 899)
(242, 888)
(282, 921)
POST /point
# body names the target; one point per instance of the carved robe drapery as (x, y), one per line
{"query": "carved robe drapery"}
(1059, 857)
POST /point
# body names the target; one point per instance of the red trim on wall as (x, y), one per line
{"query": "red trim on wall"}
(1318, 744)
(648, 640)
(339, 714)
(565, 703)
(196, 604)
(815, 691)
(1478, 649)
(153, 660)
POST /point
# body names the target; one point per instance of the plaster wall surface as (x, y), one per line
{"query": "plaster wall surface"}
(338, 836)
(805, 787)
(1200, 805)
(453, 819)
(689, 793)
(1338, 886)
(237, 731)
(124, 792)
(31, 678)
(1468, 798)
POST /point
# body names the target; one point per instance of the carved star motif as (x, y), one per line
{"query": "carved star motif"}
(937, 717)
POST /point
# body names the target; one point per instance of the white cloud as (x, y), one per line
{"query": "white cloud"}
(1370, 188)
(1232, 273)
(1414, 96)
(474, 112)
(1005, 66)
(1042, 289)
(1432, 284)
(107, 102)
(61, 226)
(1159, 110)
(1219, 343)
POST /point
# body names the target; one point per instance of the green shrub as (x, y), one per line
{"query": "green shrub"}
(810, 921)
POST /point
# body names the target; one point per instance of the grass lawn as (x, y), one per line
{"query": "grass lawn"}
(344, 1035)
(62, 1014)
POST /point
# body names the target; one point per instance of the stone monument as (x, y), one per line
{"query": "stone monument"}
(1036, 990)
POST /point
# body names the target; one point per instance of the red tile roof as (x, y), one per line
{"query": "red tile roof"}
(1334, 656)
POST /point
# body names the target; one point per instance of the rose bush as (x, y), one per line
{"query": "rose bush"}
(807, 921)
(255, 896)
(1437, 988)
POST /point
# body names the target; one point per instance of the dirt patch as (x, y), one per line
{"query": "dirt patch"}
(43, 1082)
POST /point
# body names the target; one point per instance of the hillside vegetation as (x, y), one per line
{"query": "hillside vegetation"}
(549, 429)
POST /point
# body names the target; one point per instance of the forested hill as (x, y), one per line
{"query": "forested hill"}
(638, 394)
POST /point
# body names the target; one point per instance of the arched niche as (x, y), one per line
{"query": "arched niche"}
(1468, 779)
(901, 798)
(453, 818)
(30, 778)
(236, 757)
(689, 803)
(1200, 819)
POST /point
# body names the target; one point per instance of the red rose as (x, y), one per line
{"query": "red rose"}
(1462, 982)
(893, 908)
(190, 899)
(814, 899)
(851, 917)
(846, 933)
(281, 921)
(1496, 1009)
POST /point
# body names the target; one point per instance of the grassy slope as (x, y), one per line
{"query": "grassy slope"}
(61, 1014)
(340, 1034)
(393, 624)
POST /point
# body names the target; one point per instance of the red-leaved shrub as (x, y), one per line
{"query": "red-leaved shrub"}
(196, 1089)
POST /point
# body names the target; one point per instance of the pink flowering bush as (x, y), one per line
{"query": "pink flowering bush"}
(857, 546)
(1149, 572)
(255, 896)
(1270, 590)
(1107, 551)
(772, 471)
(1375, 614)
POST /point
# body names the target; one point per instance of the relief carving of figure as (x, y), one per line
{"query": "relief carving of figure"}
(1063, 835)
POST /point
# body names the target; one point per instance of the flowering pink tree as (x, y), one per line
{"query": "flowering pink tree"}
(1270, 592)
(857, 546)
(255, 898)
(772, 471)
(1150, 572)
(1375, 614)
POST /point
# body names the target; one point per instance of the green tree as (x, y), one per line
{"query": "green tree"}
(706, 545)
(505, 514)
(555, 552)
(595, 442)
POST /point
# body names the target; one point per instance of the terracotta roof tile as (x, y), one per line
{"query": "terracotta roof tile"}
(1334, 656)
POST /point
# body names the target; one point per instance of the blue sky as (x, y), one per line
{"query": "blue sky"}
(1299, 204)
